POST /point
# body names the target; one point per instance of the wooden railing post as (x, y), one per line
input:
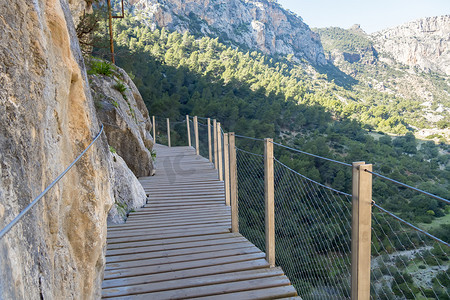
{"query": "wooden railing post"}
(361, 230)
(197, 148)
(168, 133)
(233, 185)
(219, 151)
(269, 196)
(209, 141)
(154, 129)
(226, 162)
(188, 131)
(215, 143)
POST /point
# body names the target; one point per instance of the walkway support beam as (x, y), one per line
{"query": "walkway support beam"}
(219, 152)
(188, 131)
(361, 230)
(154, 129)
(215, 143)
(233, 184)
(209, 141)
(269, 196)
(197, 147)
(226, 162)
(168, 132)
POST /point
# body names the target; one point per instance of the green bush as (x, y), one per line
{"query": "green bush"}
(100, 67)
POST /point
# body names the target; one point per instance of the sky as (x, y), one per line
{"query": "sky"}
(371, 15)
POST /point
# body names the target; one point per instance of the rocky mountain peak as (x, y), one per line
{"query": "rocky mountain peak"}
(255, 24)
(356, 28)
(423, 43)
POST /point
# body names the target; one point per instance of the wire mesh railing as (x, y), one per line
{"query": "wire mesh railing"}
(250, 177)
(406, 263)
(203, 138)
(330, 243)
(313, 235)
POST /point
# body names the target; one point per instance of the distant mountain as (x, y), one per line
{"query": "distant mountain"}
(410, 62)
(254, 24)
(423, 43)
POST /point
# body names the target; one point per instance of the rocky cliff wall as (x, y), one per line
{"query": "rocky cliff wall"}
(121, 109)
(47, 118)
(424, 43)
(256, 24)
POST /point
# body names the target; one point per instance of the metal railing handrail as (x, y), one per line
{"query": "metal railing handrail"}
(23, 212)
(408, 186)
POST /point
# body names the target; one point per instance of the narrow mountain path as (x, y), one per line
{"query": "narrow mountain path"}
(180, 246)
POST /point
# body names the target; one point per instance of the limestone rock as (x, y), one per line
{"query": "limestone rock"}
(256, 24)
(128, 191)
(126, 120)
(424, 43)
(47, 117)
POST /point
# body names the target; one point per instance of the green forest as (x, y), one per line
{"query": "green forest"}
(261, 96)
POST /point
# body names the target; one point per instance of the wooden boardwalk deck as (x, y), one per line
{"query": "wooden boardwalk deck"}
(179, 245)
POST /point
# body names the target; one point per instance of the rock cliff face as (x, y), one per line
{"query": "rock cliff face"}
(424, 43)
(256, 24)
(47, 117)
(122, 111)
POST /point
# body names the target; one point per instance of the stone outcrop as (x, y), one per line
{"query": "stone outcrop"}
(47, 117)
(126, 120)
(127, 196)
(122, 111)
(424, 43)
(256, 24)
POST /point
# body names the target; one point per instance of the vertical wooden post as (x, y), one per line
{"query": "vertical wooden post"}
(154, 129)
(188, 131)
(226, 162)
(233, 185)
(361, 230)
(269, 196)
(168, 132)
(219, 151)
(215, 143)
(111, 39)
(197, 148)
(209, 141)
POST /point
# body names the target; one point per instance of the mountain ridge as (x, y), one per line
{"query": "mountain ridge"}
(256, 24)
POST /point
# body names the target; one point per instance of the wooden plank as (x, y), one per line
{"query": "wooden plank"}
(178, 274)
(177, 220)
(154, 129)
(219, 152)
(168, 132)
(169, 224)
(146, 259)
(233, 184)
(269, 199)
(166, 230)
(188, 131)
(191, 282)
(169, 235)
(213, 289)
(212, 238)
(203, 244)
(279, 292)
(179, 244)
(209, 141)
(180, 266)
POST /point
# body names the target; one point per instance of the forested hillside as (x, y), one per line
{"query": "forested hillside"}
(422, 98)
(261, 96)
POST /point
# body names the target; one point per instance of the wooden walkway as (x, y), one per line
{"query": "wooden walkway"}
(179, 246)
